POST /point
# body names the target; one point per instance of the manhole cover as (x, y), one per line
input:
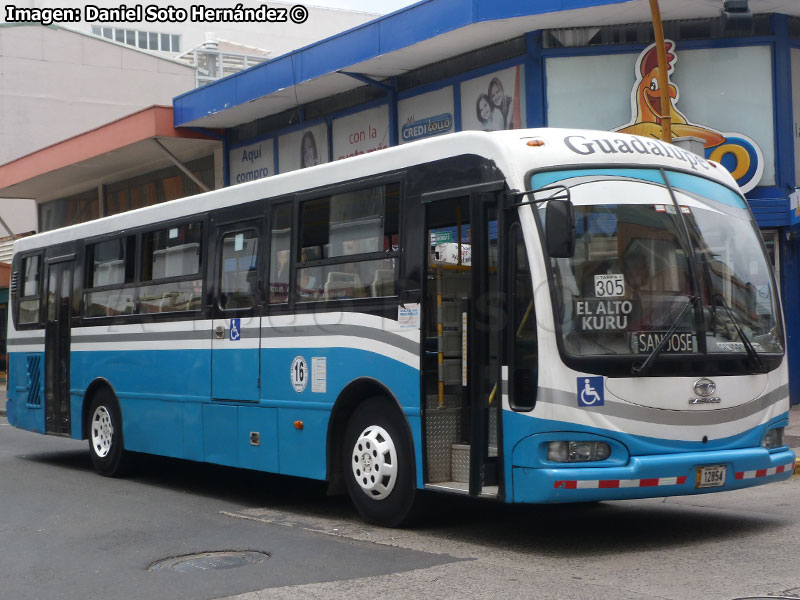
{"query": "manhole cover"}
(208, 561)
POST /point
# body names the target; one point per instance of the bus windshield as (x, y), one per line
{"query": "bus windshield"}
(646, 247)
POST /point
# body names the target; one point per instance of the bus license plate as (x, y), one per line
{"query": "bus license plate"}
(711, 476)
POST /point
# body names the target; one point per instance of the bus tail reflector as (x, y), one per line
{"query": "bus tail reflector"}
(764, 472)
(619, 483)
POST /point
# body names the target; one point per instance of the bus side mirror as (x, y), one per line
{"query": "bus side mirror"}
(560, 232)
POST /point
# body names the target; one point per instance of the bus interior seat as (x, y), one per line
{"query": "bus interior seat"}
(312, 253)
(194, 302)
(120, 305)
(342, 285)
(165, 304)
(383, 283)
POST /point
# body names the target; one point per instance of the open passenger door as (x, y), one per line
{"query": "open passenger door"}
(461, 362)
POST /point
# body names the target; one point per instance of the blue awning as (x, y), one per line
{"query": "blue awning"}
(418, 35)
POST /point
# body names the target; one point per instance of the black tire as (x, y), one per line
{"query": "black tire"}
(104, 431)
(387, 499)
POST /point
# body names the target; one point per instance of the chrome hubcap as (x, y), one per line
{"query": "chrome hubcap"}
(375, 462)
(102, 431)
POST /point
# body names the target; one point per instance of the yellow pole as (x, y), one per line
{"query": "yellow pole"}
(525, 317)
(458, 220)
(440, 335)
(663, 79)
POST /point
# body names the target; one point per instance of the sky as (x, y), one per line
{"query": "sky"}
(373, 6)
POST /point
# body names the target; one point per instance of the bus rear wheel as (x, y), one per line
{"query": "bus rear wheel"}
(105, 435)
(378, 464)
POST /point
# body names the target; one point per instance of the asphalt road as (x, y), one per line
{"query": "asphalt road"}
(68, 533)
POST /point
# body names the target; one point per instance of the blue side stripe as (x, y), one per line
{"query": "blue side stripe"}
(540, 180)
(705, 188)
(680, 181)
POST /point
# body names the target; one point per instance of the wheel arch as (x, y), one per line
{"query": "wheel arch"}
(94, 387)
(354, 393)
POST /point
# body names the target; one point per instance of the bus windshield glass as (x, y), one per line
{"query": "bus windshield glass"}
(645, 248)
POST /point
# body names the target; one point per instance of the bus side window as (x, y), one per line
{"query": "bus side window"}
(29, 290)
(239, 274)
(170, 269)
(349, 245)
(524, 351)
(109, 278)
(280, 238)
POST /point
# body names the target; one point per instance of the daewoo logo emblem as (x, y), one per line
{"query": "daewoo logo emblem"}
(704, 387)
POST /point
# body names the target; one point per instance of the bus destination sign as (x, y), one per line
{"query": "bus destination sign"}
(643, 342)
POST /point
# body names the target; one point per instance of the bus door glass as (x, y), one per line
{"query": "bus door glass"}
(57, 346)
(236, 335)
(461, 344)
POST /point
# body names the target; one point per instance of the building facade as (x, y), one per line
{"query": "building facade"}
(171, 38)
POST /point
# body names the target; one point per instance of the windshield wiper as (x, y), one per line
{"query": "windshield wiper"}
(641, 368)
(752, 354)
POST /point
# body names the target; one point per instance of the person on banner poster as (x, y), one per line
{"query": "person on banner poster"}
(498, 99)
(501, 103)
(309, 156)
(489, 118)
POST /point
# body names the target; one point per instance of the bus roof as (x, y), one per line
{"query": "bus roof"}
(568, 148)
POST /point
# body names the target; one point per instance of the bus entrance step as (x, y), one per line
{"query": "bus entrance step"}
(460, 464)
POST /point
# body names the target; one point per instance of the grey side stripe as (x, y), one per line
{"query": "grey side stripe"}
(661, 416)
(26, 341)
(110, 337)
(379, 335)
(361, 331)
(144, 336)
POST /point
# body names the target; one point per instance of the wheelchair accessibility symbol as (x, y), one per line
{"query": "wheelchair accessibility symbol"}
(236, 330)
(590, 391)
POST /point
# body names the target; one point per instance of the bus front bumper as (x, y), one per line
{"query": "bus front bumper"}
(652, 476)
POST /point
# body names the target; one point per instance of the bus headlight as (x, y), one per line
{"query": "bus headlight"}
(577, 451)
(773, 439)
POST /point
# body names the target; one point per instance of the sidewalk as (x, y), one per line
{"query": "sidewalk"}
(792, 433)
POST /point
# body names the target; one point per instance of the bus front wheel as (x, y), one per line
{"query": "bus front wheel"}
(378, 464)
(105, 434)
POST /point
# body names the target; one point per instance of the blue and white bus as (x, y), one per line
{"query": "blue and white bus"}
(531, 316)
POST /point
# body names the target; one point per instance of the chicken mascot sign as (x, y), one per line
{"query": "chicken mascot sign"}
(737, 153)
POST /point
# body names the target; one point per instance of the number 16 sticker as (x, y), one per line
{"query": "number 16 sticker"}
(299, 374)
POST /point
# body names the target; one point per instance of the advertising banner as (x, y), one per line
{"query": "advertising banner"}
(251, 162)
(425, 115)
(360, 133)
(303, 148)
(494, 102)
